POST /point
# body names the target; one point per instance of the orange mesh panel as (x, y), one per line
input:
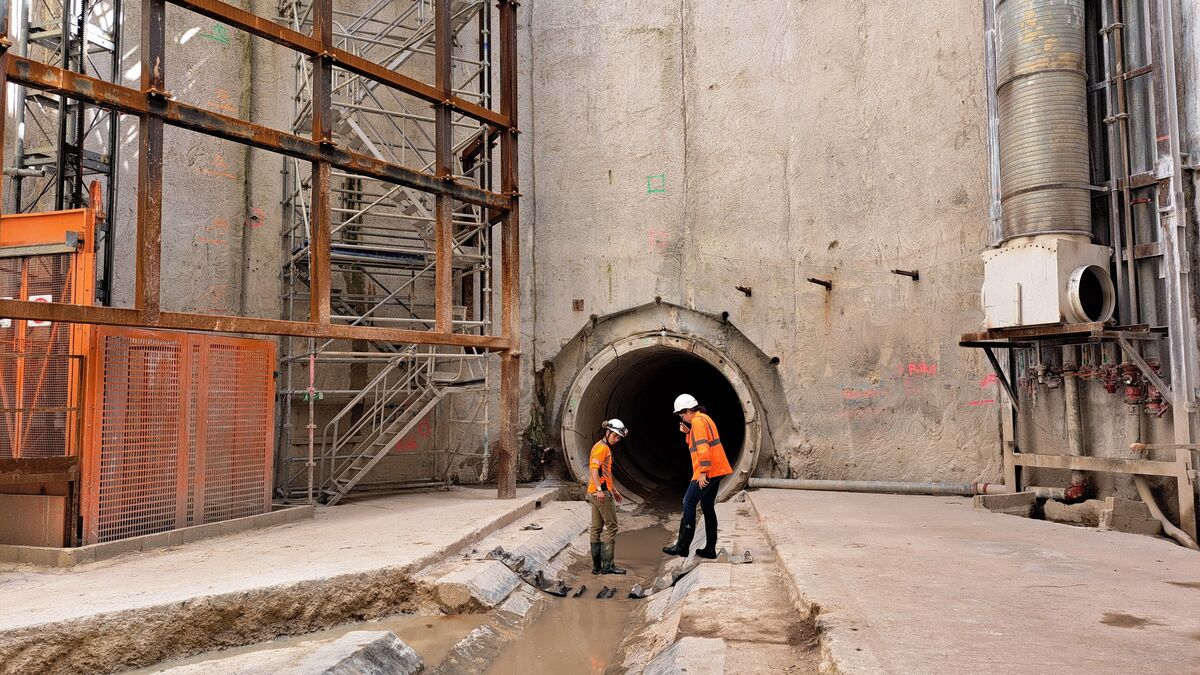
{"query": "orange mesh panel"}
(183, 431)
(237, 421)
(139, 435)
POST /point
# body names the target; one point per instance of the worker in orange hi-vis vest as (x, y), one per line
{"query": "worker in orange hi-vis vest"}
(709, 465)
(603, 496)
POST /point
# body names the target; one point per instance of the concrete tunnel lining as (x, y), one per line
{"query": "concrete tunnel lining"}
(637, 380)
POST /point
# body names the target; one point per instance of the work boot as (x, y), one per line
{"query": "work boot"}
(597, 557)
(710, 540)
(685, 541)
(609, 567)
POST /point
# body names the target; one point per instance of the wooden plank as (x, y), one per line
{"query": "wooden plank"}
(1141, 467)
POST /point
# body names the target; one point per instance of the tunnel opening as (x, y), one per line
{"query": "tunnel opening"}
(640, 388)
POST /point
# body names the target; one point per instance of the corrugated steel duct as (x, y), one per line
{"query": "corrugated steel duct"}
(1042, 107)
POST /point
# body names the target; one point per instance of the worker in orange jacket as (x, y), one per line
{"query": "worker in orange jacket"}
(709, 465)
(603, 496)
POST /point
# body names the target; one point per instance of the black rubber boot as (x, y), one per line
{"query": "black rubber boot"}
(597, 557)
(710, 539)
(609, 567)
(685, 541)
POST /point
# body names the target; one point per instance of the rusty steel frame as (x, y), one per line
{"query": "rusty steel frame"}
(153, 106)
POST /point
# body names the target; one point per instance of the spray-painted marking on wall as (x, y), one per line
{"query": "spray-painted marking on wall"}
(218, 168)
(919, 369)
(411, 441)
(215, 233)
(222, 101)
(218, 299)
(217, 33)
(987, 382)
(255, 217)
(862, 400)
(656, 183)
(659, 240)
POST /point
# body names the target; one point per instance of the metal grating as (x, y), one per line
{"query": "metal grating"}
(138, 444)
(238, 421)
(181, 431)
(38, 416)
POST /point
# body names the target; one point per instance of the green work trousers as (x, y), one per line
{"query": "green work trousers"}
(604, 519)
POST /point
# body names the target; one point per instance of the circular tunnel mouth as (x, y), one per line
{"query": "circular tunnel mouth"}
(640, 388)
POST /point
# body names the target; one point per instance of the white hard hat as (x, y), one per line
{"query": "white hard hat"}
(617, 427)
(685, 402)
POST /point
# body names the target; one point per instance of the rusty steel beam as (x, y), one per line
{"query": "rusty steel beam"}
(148, 271)
(443, 140)
(213, 323)
(313, 46)
(133, 102)
(510, 260)
(322, 133)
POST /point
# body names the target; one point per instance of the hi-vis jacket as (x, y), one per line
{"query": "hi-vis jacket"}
(708, 455)
(601, 461)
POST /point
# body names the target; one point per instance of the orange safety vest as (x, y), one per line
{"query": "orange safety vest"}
(708, 455)
(601, 461)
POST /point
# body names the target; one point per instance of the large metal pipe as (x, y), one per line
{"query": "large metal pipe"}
(884, 487)
(1074, 431)
(1041, 91)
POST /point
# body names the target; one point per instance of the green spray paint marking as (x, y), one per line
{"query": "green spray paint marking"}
(656, 183)
(218, 33)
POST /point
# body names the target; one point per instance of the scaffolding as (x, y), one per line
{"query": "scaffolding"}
(355, 403)
(62, 145)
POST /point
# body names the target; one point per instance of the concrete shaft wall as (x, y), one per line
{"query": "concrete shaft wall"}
(682, 149)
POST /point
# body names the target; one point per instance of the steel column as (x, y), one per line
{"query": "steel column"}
(510, 257)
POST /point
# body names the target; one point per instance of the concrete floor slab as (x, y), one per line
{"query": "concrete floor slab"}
(356, 560)
(930, 585)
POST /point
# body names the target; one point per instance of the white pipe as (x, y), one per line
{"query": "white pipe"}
(1169, 528)
(884, 487)
(1134, 414)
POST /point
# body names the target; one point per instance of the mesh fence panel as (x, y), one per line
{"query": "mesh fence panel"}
(183, 431)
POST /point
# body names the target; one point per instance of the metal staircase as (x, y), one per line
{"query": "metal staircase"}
(366, 429)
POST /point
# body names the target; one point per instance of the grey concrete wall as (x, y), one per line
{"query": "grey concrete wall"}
(681, 149)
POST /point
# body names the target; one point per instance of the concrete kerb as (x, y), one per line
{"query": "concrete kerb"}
(42, 556)
(142, 636)
(837, 653)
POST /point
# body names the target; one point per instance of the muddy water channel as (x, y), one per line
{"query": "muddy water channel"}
(581, 635)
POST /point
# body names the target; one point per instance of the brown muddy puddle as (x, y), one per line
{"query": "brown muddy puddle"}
(581, 635)
(431, 636)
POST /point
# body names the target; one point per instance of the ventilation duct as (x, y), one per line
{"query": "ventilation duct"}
(1047, 269)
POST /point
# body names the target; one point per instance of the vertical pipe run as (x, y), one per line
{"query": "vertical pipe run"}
(1074, 430)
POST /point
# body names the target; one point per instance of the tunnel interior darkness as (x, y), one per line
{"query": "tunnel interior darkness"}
(640, 388)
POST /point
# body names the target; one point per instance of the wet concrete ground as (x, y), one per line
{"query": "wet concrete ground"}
(580, 635)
